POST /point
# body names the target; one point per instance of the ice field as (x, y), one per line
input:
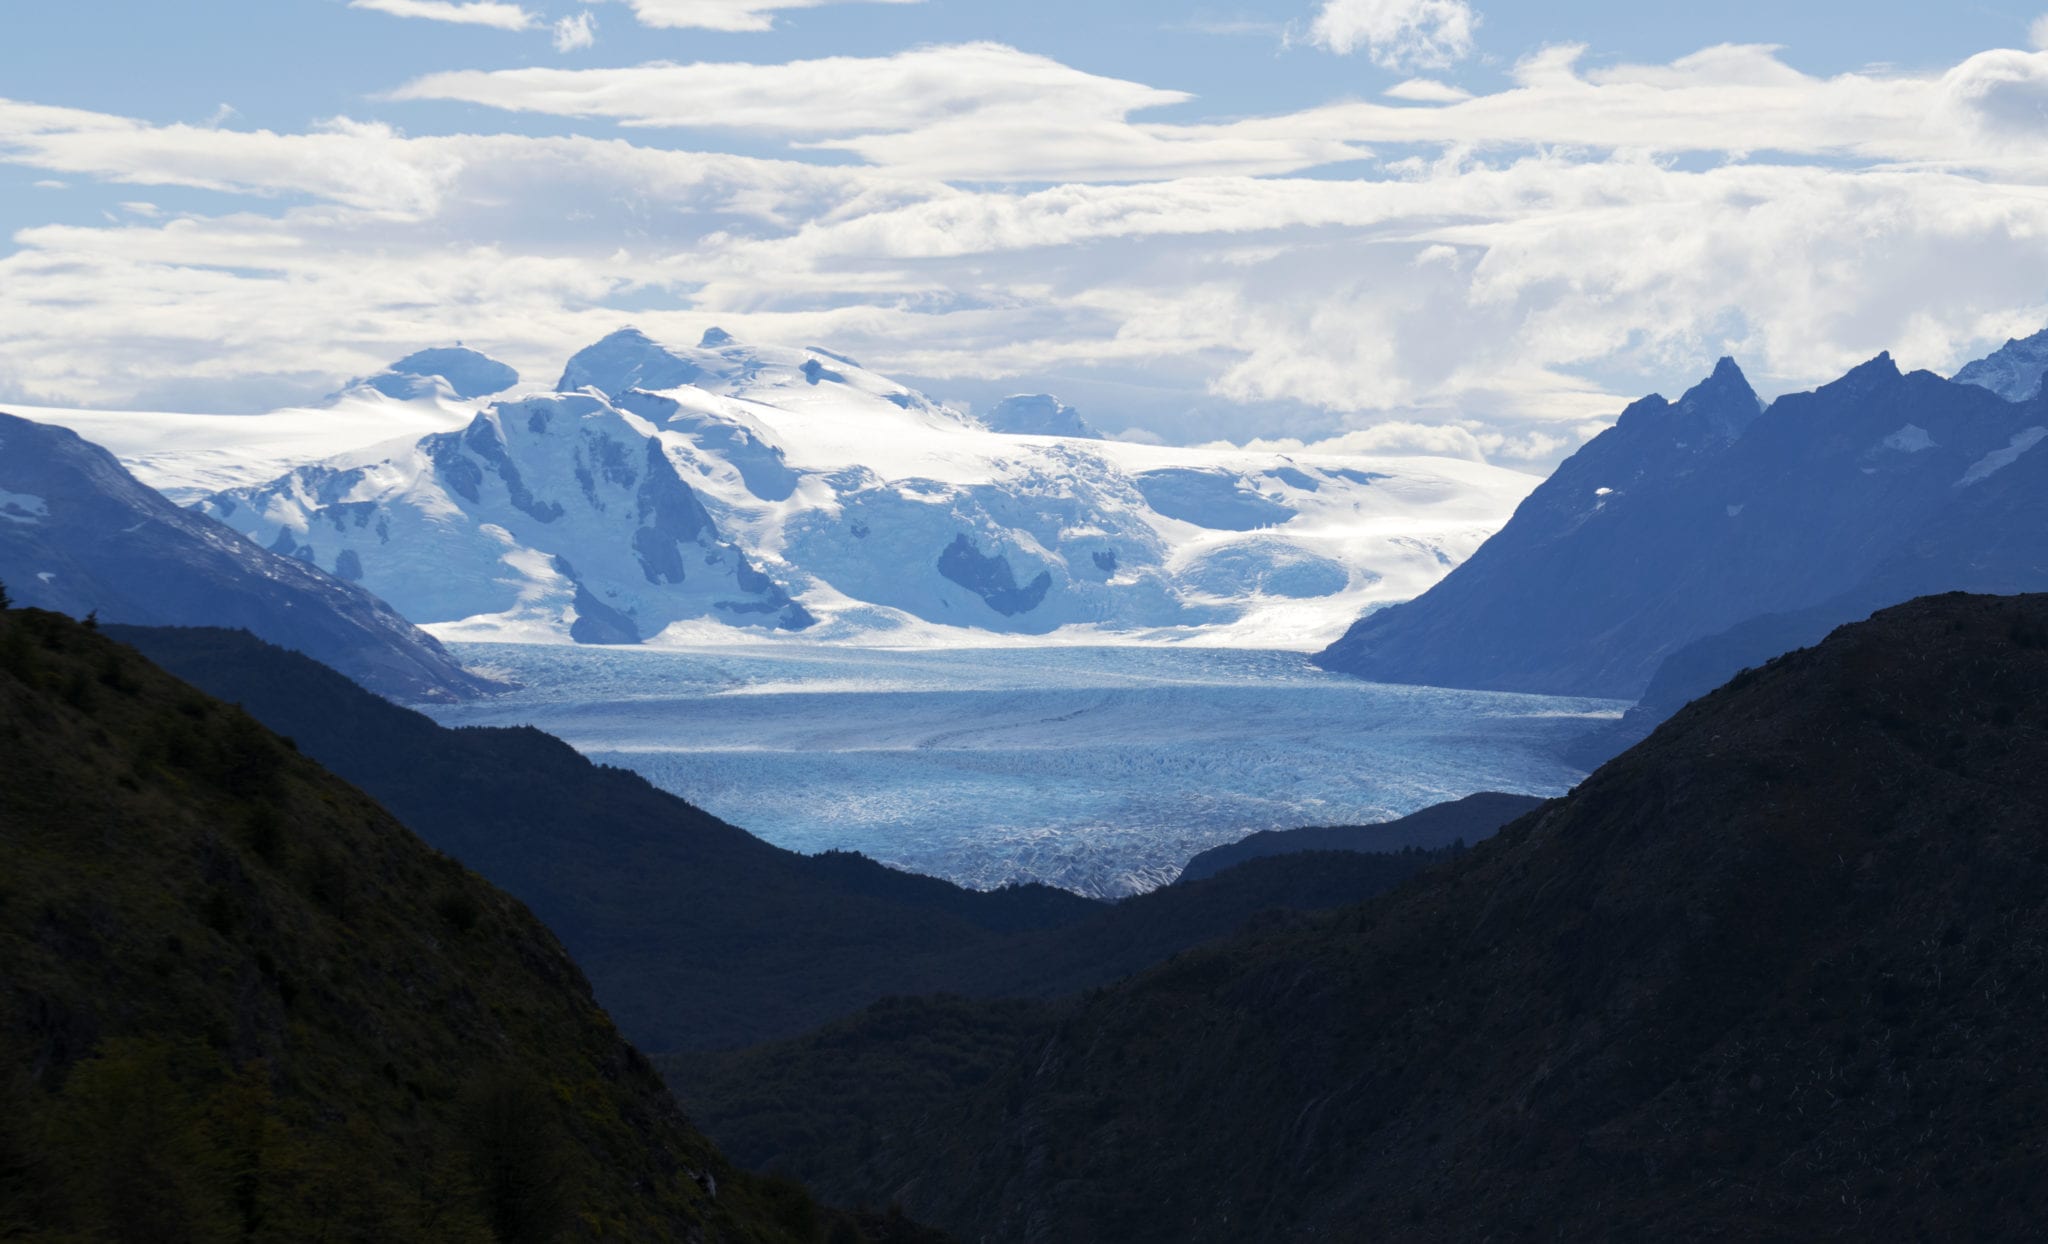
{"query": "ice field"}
(1098, 769)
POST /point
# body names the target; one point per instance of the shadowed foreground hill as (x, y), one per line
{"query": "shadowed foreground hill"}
(239, 1002)
(697, 934)
(1779, 972)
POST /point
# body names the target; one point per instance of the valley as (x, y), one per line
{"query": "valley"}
(1100, 770)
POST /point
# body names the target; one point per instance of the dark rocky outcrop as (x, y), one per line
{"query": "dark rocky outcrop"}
(989, 576)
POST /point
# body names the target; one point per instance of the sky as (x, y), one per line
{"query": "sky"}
(1447, 226)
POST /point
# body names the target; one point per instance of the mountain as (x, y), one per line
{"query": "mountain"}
(1772, 974)
(736, 485)
(1684, 521)
(1465, 820)
(456, 373)
(559, 507)
(1039, 414)
(239, 1001)
(2013, 371)
(696, 934)
(80, 535)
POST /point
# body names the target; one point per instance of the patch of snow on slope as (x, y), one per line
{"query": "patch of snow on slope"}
(1911, 439)
(20, 507)
(1992, 463)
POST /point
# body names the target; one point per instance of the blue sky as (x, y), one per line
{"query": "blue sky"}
(1197, 221)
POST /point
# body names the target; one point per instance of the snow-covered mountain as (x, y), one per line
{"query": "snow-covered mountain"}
(2014, 371)
(80, 535)
(693, 489)
(453, 372)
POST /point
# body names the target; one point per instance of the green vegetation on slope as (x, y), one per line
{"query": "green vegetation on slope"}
(238, 1001)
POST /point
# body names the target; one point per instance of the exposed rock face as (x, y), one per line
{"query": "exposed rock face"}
(992, 579)
(79, 535)
(1682, 522)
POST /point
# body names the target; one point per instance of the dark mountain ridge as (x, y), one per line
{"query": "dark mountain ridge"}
(1682, 522)
(1777, 973)
(697, 934)
(79, 535)
(1466, 820)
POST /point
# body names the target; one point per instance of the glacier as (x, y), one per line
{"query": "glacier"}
(1098, 769)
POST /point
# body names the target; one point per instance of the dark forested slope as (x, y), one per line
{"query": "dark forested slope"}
(1779, 972)
(238, 1001)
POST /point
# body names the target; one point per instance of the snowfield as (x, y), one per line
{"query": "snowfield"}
(1101, 770)
(686, 494)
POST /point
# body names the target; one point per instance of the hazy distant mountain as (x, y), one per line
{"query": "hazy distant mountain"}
(749, 485)
(1684, 521)
(79, 535)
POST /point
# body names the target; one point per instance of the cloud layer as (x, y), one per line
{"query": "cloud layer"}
(1489, 274)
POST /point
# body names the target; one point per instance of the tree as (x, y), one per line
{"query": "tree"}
(516, 1150)
(6, 601)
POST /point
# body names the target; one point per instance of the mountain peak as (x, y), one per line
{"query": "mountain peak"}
(2015, 371)
(1039, 414)
(714, 337)
(464, 373)
(627, 359)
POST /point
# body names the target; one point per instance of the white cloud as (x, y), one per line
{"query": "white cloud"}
(576, 32)
(468, 12)
(732, 15)
(1499, 294)
(970, 112)
(1428, 91)
(1399, 34)
(2038, 33)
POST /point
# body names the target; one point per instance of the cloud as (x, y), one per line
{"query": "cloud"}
(968, 112)
(1398, 34)
(1535, 256)
(731, 15)
(1428, 91)
(2038, 33)
(467, 12)
(575, 33)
